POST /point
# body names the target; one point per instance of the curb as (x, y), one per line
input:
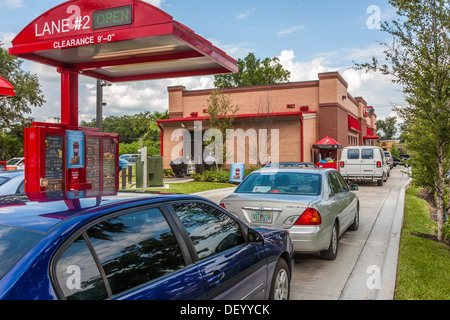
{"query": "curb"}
(374, 274)
(389, 270)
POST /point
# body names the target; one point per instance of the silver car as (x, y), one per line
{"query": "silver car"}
(315, 205)
(12, 182)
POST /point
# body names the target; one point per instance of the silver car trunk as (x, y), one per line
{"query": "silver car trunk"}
(268, 209)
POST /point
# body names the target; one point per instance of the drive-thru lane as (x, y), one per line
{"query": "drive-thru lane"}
(365, 268)
(366, 264)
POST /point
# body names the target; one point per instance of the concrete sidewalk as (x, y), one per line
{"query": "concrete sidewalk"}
(374, 275)
(366, 266)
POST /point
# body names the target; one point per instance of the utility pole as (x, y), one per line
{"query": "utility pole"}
(100, 103)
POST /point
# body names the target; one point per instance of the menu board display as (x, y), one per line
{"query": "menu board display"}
(75, 149)
(109, 165)
(93, 166)
(54, 163)
(69, 164)
(53, 181)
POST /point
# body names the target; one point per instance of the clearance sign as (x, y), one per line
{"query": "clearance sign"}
(77, 22)
(103, 38)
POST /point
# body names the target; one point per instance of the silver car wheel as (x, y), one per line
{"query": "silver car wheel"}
(331, 252)
(334, 241)
(281, 285)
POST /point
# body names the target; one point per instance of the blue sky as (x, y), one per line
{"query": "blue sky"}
(308, 36)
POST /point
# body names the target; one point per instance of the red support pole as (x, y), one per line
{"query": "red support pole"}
(69, 97)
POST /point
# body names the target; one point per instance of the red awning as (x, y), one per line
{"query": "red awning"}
(370, 135)
(353, 124)
(119, 40)
(6, 89)
(327, 143)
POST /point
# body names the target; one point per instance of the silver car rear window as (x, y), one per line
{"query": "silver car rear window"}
(292, 183)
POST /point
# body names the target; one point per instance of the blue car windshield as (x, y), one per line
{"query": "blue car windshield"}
(14, 244)
(292, 183)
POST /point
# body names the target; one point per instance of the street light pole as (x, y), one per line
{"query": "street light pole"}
(100, 104)
(99, 116)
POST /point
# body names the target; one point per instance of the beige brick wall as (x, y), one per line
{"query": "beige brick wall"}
(289, 143)
(327, 99)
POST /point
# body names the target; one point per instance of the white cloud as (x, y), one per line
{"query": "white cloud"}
(12, 4)
(289, 30)
(303, 70)
(156, 3)
(377, 89)
(6, 38)
(236, 49)
(244, 15)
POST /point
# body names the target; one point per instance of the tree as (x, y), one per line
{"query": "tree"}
(26, 86)
(221, 113)
(134, 131)
(253, 71)
(419, 60)
(386, 128)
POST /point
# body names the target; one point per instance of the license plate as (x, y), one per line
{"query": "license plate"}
(262, 216)
(360, 178)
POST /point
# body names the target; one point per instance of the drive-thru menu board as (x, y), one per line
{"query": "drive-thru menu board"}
(93, 166)
(70, 164)
(53, 180)
(109, 165)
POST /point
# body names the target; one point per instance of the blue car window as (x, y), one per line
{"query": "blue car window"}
(78, 275)
(135, 248)
(210, 230)
(14, 244)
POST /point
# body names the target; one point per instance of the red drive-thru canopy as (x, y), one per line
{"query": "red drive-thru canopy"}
(111, 40)
(116, 41)
(6, 89)
(327, 143)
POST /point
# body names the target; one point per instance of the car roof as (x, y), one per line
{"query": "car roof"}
(12, 174)
(362, 147)
(294, 169)
(17, 211)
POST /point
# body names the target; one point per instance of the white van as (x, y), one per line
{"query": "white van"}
(364, 163)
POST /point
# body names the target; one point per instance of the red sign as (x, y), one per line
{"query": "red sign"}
(49, 153)
(6, 89)
(97, 37)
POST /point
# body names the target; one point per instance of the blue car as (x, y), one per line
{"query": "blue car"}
(162, 247)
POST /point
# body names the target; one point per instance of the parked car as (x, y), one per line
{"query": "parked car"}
(389, 159)
(315, 205)
(124, 164)
(18, 163)
(364, 163)
(291, 165)
(398, 161)
(12, 182)
(171, 247)
(128, 156)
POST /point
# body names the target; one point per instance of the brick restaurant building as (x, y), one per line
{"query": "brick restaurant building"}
(303, 112)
